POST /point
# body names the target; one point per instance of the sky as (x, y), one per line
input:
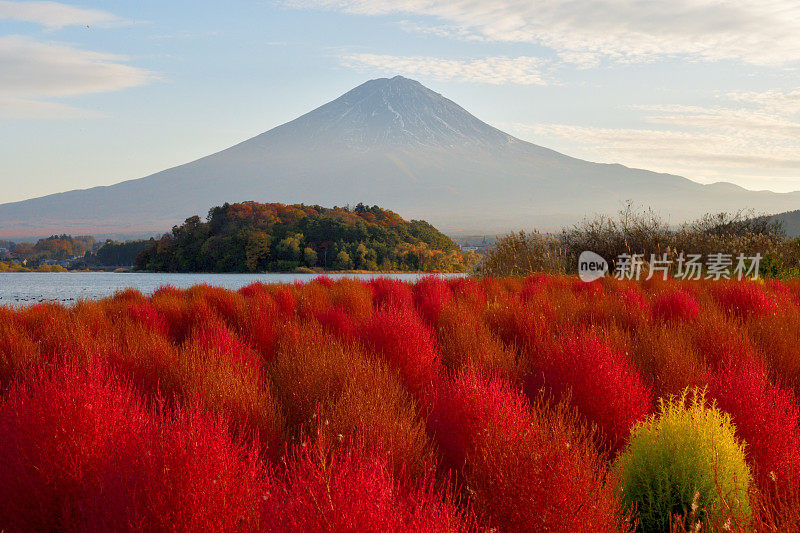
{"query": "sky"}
(94, 93)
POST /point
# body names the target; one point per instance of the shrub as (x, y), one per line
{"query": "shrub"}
(317, 377)
(81, 452)
(353, 296)
(407, 346)
(72, 443)
(391, 293)
(525, 468)
(148, 359)
(431, 294)
(202, 477)
(351, 490)
(338, 322)
(676, 305)
(776, 336)
(311, 298)
(467, 343)
(597, 379)
(468, 290)
(766, 417)
(744, 299)
(628, 308)
(519, 254)
(17, 350)
(260, 325)
(687, 448)
(718, 340)
(667, 359)
(150, 317)
(230, 383)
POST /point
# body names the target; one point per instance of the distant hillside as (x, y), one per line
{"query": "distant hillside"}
(398, 144)
(254, 237)
(790, 220)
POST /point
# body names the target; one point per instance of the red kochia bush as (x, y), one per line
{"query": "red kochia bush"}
(628, 307)
(431, 294)
(149, 317)
(406, 344)
(82, 453)
(18, 350)
(350, 490)
(676, 304)
(601, 382)
(466, 342)
(766, 417)
(285, 300)
(391, 293)
(260, 325)
(215, 336)
(72, 443)
(527, 468)
(469, 290)
(203, 478)
(337, 321)
(744, 299)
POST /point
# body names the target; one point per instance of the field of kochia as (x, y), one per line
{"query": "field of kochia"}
(544, 404)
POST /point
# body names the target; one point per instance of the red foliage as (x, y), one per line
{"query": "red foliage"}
(325, 281)
(524, 466)
(744, 299)
(676, 304)
(431, 294)
(592, 289)
(338, 322)
(766, 417)
(468, 290)
(391, 293)
(81, 452)
(149, 317)
(285, 300)
(350, 490)
(155, 413)
(213, 336)
(600, 381)
(71, 444)
(203, 478)
(406, 344)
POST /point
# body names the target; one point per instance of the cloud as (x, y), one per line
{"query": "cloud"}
(764, 122)
(56, 15)
(779, 101)
(750, 146)
(763, 32)
(493, 70)
(31, 71)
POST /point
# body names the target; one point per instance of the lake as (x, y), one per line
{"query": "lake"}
(22, 288)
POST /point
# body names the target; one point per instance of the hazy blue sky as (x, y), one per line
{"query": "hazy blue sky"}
(93, 93)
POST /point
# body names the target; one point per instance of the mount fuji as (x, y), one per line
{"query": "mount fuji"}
(395, 143)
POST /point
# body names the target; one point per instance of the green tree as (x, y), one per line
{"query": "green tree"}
(309, 257)
(289, 249)
(256, 249)
(342, 261)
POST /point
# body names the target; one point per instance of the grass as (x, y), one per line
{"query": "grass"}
(536, 404)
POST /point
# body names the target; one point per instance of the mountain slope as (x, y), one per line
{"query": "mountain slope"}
(395, 143)
(790, 220)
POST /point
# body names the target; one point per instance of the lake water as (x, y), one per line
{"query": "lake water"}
(22, 288)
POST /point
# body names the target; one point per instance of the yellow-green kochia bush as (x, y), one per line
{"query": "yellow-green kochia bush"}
(688, 448)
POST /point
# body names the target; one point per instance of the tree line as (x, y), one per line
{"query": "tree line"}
(274, 237)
